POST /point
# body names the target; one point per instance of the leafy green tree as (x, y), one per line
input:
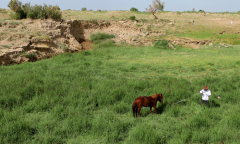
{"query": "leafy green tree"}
(15, 5)
(134, 9)
(84, 9)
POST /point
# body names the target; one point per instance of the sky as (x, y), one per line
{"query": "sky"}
(109, 5)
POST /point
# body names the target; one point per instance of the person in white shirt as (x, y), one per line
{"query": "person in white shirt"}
(205, 95)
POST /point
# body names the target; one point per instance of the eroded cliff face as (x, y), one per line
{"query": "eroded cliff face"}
(60, 36)
(56, 38)
(50, 38)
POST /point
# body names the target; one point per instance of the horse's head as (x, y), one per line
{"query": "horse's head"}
(159, 97)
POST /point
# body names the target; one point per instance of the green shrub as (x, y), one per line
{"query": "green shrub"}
(161, 44)
(29, 55)
(134, 9)
(84, 9)
(107, 43)
(149, 28)
(18, 15)
(201, 11)
(132, 18)
(15, 5)
(33, 12)
(44, 12)
(98, 37)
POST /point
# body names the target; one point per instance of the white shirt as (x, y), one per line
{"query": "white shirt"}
(205, 94)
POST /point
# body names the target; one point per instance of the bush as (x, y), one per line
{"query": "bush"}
(161, 44)
(33, 12)
(99, 37)
(201, 11)
(132, 18)
(15, 5)
(84, 9)
(134, 9)
(18, 15)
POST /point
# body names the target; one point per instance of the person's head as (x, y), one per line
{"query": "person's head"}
(205, 88)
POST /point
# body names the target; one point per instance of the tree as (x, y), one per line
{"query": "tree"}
(15, 5)
(157, 6)
(134, 9)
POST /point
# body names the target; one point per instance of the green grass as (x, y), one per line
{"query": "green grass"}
(201, 32)
(6, 46)
(87, 97)
(99, 37)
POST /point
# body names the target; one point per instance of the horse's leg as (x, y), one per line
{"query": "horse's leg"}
(136, 111)
(139, 109)
(150, 111)
(155, 109)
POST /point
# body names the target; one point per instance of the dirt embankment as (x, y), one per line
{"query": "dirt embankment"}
(56, 37)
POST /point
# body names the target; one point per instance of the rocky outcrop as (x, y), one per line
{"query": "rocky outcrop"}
(184, 41)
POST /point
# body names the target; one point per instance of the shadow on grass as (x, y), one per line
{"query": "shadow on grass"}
(145, 113)
(161, 108)
(214, 104)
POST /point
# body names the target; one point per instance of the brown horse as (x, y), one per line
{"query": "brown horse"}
(145, 101)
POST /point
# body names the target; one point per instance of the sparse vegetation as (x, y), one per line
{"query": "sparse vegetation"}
(99, 37)
(42, 37)
(138, 25)
(143, 20)
(149, 28)
(6, 46)
(94, 21)
(3, 11)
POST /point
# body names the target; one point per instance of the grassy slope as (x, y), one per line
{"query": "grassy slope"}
(86, 97)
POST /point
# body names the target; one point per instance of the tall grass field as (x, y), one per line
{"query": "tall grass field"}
(87, 97)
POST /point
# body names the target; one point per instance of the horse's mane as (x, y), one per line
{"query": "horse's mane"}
(156, 95)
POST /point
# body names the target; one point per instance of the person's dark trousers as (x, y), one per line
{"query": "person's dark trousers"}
(206, 101)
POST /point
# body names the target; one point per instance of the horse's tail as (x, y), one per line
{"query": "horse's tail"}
(134, 108)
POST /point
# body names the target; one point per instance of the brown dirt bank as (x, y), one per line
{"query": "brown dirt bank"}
(32, 40)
